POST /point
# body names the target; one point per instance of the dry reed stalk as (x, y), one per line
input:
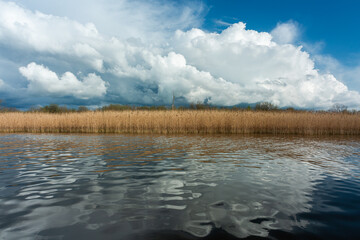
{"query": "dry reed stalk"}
(183, 122)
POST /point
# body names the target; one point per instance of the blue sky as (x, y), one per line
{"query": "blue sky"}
(333, 23)
(302, 54)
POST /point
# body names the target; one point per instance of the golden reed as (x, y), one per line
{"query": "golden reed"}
(183, 122)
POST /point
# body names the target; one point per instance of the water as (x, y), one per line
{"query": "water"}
(178, 187)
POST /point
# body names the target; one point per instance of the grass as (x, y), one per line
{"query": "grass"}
(183, 122)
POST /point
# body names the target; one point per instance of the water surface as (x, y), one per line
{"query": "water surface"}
(178, 187)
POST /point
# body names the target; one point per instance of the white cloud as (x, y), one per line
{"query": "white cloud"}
(285, 33)
(40, 31)
(263, 69)
(150, 20)
(23, 29)
(227, 68)
(347, 74)
(172, 73)
(44, 81)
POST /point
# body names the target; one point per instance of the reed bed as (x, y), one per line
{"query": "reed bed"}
(184, 122)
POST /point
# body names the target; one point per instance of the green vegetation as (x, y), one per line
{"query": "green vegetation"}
(266, 106)
(119, 107)
(262, 106)
(83, 109)
(52, 108)
(116, 107)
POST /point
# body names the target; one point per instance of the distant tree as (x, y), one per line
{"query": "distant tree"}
(290, 109)
(201, 106)
(143, 108)
(115, 107)
(64, 109)
(265, 106)
(52, 108)
(163, 108)
(192, 106)
(83, 109)
(34, 109)
(337, 107)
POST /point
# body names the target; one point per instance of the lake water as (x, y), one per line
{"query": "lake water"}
(178, 187)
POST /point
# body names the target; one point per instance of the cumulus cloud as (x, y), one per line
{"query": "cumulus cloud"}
(23, 29)
(262, 68)
(285, 33)
(348, 75)
(172, 73)
(44, 81)
(234, 66)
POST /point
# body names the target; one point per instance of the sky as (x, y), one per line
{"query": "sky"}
(302, 54)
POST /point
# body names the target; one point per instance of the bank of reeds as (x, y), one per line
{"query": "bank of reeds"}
(183, 122)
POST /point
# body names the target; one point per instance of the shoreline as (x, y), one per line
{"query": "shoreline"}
(184, 122)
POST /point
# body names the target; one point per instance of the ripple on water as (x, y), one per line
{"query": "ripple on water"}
(126, 186)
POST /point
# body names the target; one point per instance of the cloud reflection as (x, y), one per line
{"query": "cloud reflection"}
(246, 186)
